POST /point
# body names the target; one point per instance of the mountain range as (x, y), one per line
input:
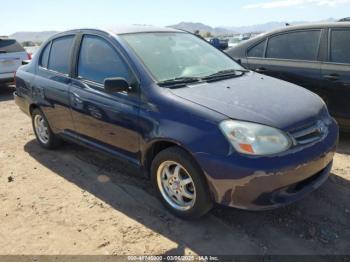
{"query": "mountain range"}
(259, 28)
(32, 36)
(188, 26)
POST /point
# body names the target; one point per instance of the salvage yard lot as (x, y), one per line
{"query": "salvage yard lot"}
(77, 201)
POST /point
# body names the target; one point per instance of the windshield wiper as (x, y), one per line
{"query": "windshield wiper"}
(226, 73)
(179, 80)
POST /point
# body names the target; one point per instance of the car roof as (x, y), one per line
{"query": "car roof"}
(131, 29)
(309, 26)
(120, 30)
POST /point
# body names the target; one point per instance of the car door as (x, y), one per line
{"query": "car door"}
(106, 120)
(290, 56)
(336, 75)
(51, 85)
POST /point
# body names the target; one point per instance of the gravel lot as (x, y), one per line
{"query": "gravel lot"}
(76, 201)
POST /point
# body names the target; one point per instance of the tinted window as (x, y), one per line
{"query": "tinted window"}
(99, 60)
(340, 51)
(295, 45)
(45, 56)
(258, 50)
(60, 54)
(10, 46)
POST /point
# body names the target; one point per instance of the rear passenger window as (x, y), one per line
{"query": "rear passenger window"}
(60, 54)
(99, 60)
(258, 50)
(340, 51)
(44, 60)
(296, 45)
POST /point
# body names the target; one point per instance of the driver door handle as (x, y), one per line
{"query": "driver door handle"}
(332, 77)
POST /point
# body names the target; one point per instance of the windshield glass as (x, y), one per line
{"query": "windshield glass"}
(177, 55)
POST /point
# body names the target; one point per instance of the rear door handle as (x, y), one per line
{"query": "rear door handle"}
(332, 77)
(261, 70)
(76, 100)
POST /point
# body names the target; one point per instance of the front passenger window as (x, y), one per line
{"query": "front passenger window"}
(340, 52)
(99, 60)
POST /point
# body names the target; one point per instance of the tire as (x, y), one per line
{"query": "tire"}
(185, 199)
(49, 140)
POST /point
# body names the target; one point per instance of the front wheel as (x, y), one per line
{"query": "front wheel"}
(180, 183)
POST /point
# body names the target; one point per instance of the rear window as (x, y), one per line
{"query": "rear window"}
(60, 54)
(340, 51)
(10, 46)
(44, 60)
(258, 50)
(295, 45)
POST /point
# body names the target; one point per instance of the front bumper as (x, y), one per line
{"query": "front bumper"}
(260, 183)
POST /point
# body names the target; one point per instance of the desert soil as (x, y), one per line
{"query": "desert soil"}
(76, 201)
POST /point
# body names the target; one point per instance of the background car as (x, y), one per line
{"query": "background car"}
(221, 44)
(315, 56)
(11, 56)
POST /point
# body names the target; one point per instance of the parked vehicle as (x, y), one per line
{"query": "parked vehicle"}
(31, 50)
(11, 56)
(221, 44)
(315, 56)
(205, 129)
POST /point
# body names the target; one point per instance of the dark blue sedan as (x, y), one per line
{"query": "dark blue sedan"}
(205, 129)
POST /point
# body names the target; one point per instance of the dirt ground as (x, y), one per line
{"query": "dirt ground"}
(76, 201)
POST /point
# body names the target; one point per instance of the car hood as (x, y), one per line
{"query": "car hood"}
(257, 98)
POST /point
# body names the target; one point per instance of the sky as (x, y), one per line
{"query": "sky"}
(42, 15)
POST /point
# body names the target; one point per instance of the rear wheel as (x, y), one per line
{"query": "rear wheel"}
(180, 183)
(43, 132)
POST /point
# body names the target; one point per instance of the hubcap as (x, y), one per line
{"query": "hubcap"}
(176, 185)
(41, 129)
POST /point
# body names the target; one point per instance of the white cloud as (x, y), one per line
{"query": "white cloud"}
(288, 3)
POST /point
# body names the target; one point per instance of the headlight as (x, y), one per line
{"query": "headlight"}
(255, 139)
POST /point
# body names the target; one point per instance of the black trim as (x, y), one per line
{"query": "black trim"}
(323, 46)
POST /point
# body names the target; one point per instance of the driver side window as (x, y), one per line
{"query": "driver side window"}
(99, 60)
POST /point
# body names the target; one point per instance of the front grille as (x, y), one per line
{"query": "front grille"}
(310, 133)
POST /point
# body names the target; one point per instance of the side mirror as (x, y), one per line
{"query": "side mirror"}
(116, 84)
(239, 61)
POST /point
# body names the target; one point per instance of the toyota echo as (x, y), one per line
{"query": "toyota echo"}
(205, 129)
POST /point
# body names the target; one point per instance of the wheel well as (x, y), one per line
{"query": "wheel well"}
(154, 150)
(32, 107)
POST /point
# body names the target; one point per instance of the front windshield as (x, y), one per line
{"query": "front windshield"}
(177, 55)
